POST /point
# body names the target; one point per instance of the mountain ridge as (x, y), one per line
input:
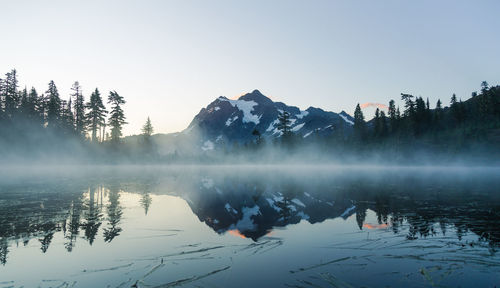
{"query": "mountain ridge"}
(227, 121)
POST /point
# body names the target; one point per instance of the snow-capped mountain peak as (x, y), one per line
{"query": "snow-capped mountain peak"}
(229, 121)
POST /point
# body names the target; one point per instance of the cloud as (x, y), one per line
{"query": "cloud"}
(370, 104)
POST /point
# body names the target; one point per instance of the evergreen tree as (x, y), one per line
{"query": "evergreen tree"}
(116, 117)
(96, 115)
(27, 106)
(359, 124)
(147, 129)
(284, 123)
(392, 116)
(79, 109)
(53, 106)
(454, 108)
(10, 94)
(453, 100)
(377, 124)
(409, 105)
(420, 116)
(257, 134)
(383, 124)
(35, 107)
(485, 103)
(24, 106)
(41, 107)
(484, 87)
(147, 132)
(428, 114)
(67, 117)
(438, 115)
(461, 112)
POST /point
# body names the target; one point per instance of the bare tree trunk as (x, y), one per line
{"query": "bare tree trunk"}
(103, 132)
(100, 135)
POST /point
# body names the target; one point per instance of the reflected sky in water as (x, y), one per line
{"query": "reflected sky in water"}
(163, 227)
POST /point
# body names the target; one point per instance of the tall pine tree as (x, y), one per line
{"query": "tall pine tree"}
(147, 129)
(67, 119)
(284, 123)
(383, 124)
(359, 124)
(10, 93)
(116, 117)
(392, 116)
(377, 124)
(53, 106)
(409, 104)
(438, 115)
(35, 107)
(96, 115)
(24, 105)
(79, 109)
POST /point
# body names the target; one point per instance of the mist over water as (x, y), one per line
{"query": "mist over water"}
(129, 161)
(217, 225)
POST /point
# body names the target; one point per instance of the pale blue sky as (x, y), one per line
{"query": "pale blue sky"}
(171, 58)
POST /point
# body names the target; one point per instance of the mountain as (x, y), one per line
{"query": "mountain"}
(225, 122)
(229, 121)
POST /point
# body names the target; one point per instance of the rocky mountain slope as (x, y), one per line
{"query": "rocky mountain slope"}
(228, 121)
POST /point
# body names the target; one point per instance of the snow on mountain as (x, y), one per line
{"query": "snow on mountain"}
(246, 107)
(207, 145)
(302, 114)
(298, 127)
(347, 118)
(226, 121)
(229, 121)
(307, 134)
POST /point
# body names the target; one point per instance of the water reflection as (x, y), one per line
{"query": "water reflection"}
(251, 206)
(93, 214)
(114, 213)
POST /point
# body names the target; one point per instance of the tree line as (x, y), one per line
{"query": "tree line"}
(470, 118)
(414, 126)
(48, 110)
(27, 111)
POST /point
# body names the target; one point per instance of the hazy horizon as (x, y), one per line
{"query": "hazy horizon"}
(170, 59)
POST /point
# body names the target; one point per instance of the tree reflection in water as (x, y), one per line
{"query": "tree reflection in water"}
(424, 209)
(114, 212)
(93, 213)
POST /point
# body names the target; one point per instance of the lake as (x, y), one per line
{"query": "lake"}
(249, 226)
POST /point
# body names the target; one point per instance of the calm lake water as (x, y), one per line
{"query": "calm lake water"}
(250, 227)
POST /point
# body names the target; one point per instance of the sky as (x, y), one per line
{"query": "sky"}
(169, 59)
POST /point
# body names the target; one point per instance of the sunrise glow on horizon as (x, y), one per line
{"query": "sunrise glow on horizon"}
(169, 59)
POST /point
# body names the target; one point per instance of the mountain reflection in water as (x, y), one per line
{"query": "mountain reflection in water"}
(64, 211)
